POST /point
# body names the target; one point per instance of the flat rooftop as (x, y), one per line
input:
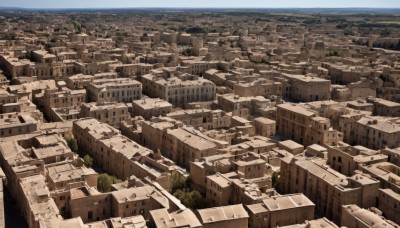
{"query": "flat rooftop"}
(181, 218)
(218, 214)
(296, 108)
(192, 140)
(151, 103)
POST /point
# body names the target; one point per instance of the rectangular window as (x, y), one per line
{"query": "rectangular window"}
(90, 215)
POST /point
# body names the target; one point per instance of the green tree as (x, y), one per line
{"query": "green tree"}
(72, 144)
(197, 200)
(115, 180)
(88, 161)
(179, 182)
(192, 199)
(77, 27)
(78, 162)
(275, 179)
(180, 194)
(104, 182)
(182, 190)
(189, 182)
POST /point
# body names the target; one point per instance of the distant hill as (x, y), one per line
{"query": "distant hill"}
(222, 10)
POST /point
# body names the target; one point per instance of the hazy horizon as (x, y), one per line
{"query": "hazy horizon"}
(51, 4)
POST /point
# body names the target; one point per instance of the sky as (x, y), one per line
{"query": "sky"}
(201, 3)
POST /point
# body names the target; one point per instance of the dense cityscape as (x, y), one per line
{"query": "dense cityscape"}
(113, 118)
